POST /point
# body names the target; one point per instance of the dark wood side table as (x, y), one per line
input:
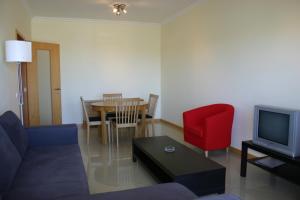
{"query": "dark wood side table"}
(290, 170)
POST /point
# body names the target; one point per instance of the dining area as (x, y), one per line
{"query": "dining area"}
(114, 112)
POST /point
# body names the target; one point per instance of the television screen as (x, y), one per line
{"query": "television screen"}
(274, 127)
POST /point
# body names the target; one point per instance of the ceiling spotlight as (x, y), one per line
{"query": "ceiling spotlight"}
(119, 8)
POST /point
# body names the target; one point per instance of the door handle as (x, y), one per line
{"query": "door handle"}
(57, 89)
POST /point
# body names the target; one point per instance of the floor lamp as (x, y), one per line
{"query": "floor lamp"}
(18, 51)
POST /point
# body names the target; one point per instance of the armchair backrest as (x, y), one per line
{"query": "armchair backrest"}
(218, 108)
(205, 111)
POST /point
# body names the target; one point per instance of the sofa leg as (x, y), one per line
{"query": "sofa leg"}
(206, 153)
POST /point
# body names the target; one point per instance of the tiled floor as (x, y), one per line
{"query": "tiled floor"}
(112, 170)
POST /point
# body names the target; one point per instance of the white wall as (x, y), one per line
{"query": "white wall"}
(234, 51)
(13, 16)
(102, 57)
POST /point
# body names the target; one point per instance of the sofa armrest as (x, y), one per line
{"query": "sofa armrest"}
(52, 135)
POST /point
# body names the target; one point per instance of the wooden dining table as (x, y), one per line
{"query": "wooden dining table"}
(103, 107)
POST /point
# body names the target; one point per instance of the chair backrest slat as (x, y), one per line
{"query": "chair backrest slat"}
(112, 97)
(85, 114)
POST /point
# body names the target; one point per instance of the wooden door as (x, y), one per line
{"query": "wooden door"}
(34, 83)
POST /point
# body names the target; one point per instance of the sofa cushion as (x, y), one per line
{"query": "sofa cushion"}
(49, 173)
(168, 191)
(10, 161)
(220, 197)
(15, 130)
(46, 192)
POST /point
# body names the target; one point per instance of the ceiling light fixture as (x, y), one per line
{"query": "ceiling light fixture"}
(119, 8)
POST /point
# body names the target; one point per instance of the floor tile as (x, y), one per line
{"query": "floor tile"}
(111, 169)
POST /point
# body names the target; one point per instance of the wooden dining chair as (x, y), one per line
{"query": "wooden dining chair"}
(126, 115)
(152, 104)
(92, 118)
(111, 98)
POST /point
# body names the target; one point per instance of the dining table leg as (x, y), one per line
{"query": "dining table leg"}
(103, 127)
(143, 122)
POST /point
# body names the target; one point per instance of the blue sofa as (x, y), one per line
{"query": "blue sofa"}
(45, 163)
(41, 162)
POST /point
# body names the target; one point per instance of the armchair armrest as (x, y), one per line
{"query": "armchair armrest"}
(52, 135)
(196, 116)
(219, 123)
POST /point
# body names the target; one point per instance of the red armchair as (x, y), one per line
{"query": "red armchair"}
(209, 127)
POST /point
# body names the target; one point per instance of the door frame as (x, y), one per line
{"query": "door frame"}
(33, 88)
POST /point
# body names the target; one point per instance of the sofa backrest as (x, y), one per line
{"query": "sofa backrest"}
(15, 131)
(10, 160)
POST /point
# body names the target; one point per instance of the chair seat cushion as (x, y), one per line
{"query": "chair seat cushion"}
(95, 119)
(109, 116)
(147, 116)
(50, 172)
(15, 131)
(10, 161)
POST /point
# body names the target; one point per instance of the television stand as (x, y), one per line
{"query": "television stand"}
(290, 170)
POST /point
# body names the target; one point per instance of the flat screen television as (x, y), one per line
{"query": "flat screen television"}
(277, 129)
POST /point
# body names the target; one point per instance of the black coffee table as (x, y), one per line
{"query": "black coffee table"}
(184, 166)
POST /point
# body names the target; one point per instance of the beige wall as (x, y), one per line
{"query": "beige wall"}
(13, 16)
(242, 52)
(102, 56)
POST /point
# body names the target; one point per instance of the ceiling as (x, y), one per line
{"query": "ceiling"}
(155, 11)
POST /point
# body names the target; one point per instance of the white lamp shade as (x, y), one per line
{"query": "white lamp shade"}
(18, 51)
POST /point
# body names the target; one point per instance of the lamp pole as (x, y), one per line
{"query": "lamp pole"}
(20, 94)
